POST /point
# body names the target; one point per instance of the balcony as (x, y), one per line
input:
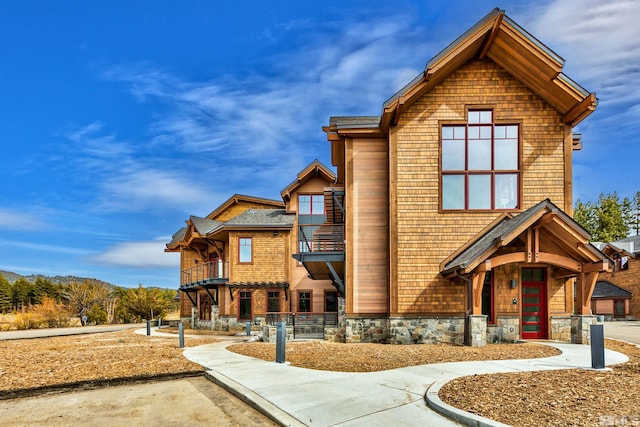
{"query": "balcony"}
(204, 274)
(321, 251)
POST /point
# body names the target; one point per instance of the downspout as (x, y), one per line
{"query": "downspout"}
(467, 313)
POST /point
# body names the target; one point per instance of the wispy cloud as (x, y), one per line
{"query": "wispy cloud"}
(139, 255)
(17, 220)
(254, 119)
(601, 41)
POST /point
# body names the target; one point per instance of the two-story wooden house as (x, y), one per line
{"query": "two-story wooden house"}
(458, 200)
(236, 263)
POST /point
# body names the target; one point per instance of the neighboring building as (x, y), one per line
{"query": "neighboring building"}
(625, 255)
(449, 218)
(236, 264)
(610, 301)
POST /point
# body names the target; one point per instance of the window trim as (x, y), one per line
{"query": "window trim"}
(491, 172)
(240, 238)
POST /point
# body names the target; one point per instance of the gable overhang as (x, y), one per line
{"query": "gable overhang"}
(543, 235)
(237, 198)
(313, 170)
(502, 40)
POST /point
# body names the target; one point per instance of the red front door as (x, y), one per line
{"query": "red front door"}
(534, 303)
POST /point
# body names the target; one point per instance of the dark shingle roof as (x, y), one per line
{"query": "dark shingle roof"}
(177, 236)
(605, 289)
(204, 226)
(351, 122)
(263, 218)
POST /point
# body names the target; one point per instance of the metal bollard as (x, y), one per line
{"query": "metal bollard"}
(281, 339)
(248, 328)
(181, 334)
(148, 327)
(159, 322)
(597, 346)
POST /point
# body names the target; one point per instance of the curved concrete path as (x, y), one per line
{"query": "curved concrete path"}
(305, 397)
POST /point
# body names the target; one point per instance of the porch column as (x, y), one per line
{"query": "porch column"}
(585, 284)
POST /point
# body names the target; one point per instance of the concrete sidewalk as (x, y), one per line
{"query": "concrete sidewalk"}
(305, 397)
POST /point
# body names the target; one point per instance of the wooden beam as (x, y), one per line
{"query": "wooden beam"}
(484, 266)
(508, 259)
(597, 267)
(492, 36)
(536, 245)
(582, 109)
(560, 261)
(477, 281)
(529, 246)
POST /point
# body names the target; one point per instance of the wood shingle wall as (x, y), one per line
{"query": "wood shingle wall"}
(422, 235)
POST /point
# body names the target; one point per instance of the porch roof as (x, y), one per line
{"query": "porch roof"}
(606, 290)
(561, 236)
(238, 285)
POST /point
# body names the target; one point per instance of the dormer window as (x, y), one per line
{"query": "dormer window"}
(480, 164)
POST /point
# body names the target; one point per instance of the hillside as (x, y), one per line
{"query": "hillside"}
(63, 280)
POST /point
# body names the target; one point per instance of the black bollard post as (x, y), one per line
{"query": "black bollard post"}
(597, 346)
(281, 339)
(148, 327)
(181, 334)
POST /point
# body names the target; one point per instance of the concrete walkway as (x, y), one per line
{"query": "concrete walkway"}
(305, 397)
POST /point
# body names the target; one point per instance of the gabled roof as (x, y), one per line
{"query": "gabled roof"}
(507, 228)
(607, 290)
(177, 237)
(202, 225)
(236, 198)
(498, 37)
(314, 169)
(261, 218)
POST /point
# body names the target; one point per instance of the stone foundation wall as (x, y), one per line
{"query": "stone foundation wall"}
(560, 328)
(366, 330)
(580, 329)
(269, 333)
(506, 329)
(403, 330)
(478, 325)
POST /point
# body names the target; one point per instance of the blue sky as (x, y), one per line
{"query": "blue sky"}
(119, 119)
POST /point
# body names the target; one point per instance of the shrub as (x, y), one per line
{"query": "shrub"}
(27, 321)
(50, 314)
(97, 315)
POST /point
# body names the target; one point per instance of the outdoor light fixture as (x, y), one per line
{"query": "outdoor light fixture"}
(513, 283)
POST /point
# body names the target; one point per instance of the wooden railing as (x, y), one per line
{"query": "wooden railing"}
(203, 272)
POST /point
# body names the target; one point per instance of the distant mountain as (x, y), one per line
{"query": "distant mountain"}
(63, 280)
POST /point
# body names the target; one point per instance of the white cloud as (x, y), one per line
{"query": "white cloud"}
(600, 41)
(148, 254)
(14, 220)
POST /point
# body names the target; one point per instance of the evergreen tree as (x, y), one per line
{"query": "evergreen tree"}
(607, 220)
(610, 221)
(21, 292)
(635, 211)
(584, 214)
(5, 295)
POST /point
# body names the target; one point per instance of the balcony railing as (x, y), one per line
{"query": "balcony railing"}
(305, 325)
(206, 272)
(324, 238)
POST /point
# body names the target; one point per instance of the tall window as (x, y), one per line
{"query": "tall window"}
(304, 301)
(245, 305)
(480, 164)
(487, 297)
(245, 253)
(310, 216)
(273, 301)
